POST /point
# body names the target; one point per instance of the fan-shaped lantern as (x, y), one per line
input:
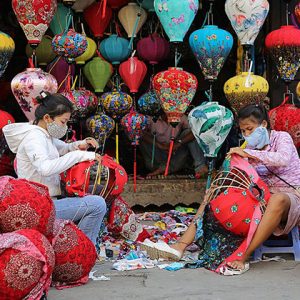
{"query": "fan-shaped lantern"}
(34, 17)
(153, 49)
(147, 4)
(116, 4)
(247, 18)
(176, 89)
(115, 49)
(284, 46)
(133, 72)
(7, 48)
(98, 73)
(127, 16)
(26, 86)
(211, 46)
(88, 53)
(149, 104)
(176, 17)
(59, 22)
(245, 89)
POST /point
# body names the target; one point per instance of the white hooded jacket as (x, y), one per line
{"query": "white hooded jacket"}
(40, 157)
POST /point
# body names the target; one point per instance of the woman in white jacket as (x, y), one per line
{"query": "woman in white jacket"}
(41, 156)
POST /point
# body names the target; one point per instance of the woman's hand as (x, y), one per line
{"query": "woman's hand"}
(239, 151)
(89, 142)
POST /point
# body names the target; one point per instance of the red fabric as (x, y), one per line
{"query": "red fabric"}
(6, 165)
(5, 118)
(122, 221)
(75, 255)
(26, 265)
(25, 205)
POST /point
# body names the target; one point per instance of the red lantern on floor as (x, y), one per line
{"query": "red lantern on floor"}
(115, 4)
(133, 72)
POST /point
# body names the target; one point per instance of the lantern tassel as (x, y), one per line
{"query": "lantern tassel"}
(170, 151)
(134, 169)
(153, 149)
(117, 142)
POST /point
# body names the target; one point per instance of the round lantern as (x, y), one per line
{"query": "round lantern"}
(149, 104)
(98, 73)
(247, 18)
(69, 44)
(133, 72)
(7, 48)
(34, 17)
(147, 4)
(153, 49)
(26, 86)
(176, 89)
(95, 20)
(88, 53)
(59, 22)
(245, 89)
(211, 46)
(284, 46)
(115, 4)
(115, 49)
(176, 17)
(25, 205)
(128, 15)
(44, 53)
(26, 265)
(116, 103)
(75, 255)
(5, 119)
(80, 5)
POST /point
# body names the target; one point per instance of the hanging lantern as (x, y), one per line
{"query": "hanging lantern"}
(88, 53)
(211, 46)
(116, 4)
(59, 22)
(247, 18)
(127, 16)
(115, 49)
(153, 49)
(176, 89)
(245, 89)
(284, 46)
(7, 48)
(81, 5)
(147, 4)
(34, 17)
(176, 17)
(133, 72)
(26, 86)
(98, 73)
(44, 53)
(149, 104)
(95, 20)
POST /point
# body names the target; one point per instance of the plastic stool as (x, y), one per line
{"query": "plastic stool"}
(281, 246)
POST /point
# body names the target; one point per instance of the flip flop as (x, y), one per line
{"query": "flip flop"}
(229, 271)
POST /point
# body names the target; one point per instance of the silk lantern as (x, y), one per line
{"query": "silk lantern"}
(176, 17)
(153, 49)
(247, 18)
(115, 4)
(245, 89)
(284, 46)
(59, 22)
(26, 86)
(88, 53)
(133, 72)
(80, 5)
(128, 15)
(7, 48)
(149, 104)
(147, 4)
(34, 17)
(115, 49)
(211, 46)
(98, 73)
(95, 20)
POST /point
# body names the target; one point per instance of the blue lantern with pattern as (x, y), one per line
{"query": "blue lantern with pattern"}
(149, 104)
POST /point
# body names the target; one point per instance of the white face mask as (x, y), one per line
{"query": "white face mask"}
(56, 131)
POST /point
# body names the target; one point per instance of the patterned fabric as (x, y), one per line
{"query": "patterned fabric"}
(25, 205)
(26, 264)
(75, 255)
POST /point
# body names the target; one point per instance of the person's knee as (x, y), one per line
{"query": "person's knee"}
(97, 203)
(279, 203)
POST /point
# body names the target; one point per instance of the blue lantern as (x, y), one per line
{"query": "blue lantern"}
(149, 104)
(115, 49)
(59, 22)
(176, 16)
(211, 46)
(147, 4)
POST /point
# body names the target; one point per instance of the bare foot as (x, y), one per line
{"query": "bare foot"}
(237, 264)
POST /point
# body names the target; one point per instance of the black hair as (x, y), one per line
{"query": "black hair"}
(256, 111)
(52, 104)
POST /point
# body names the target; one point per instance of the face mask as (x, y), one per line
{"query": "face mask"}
(56, 131)
(258, 138)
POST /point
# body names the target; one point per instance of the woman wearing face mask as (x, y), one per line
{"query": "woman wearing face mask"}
(41, 156)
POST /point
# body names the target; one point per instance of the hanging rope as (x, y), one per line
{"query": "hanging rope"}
(137, 20)
(170, 151)
(117, 142)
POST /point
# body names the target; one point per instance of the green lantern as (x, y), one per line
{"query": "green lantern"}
(98, 72)
(60, 19)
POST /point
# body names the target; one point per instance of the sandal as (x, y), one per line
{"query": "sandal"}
(229, 271)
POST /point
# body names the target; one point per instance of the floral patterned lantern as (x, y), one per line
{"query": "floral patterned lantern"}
(247, 18)
(26, 86)
(284, 46)
(115, 4)
(149, 104)
(211, 46)
(88, 53)
(244, 89)
(80, 5)
(7, 48)
(59, 22)
(34, 17)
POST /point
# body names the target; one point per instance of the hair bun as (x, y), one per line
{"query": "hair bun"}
(43, 96)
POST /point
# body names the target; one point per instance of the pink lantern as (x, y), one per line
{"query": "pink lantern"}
(153, 49)
(26, 86)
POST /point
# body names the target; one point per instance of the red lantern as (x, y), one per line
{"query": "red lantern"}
(95, 19)
(133, 72)
(115, 4)
(5, 118)
(34, 17)
(153, 48)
